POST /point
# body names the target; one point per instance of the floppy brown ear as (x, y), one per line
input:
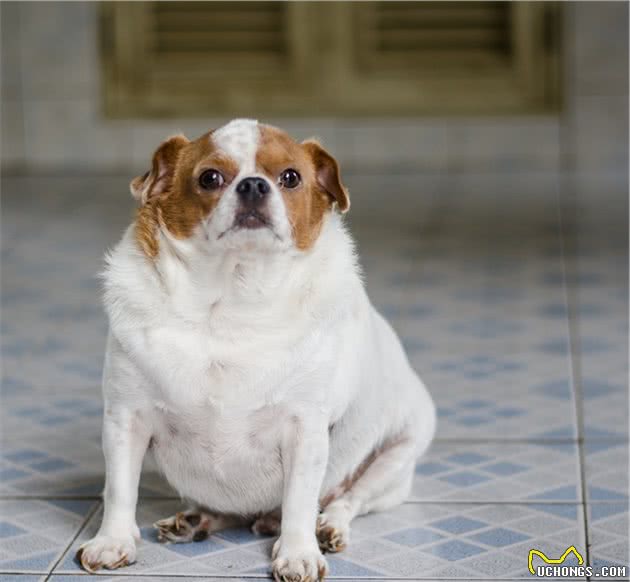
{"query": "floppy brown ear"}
(159, 178)
(328, 174)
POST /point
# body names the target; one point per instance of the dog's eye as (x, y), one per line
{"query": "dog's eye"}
(211, 180)
(290, 178)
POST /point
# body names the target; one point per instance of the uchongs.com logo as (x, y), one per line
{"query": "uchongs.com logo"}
(555, 568)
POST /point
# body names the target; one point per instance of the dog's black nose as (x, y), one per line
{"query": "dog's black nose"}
(252, 190)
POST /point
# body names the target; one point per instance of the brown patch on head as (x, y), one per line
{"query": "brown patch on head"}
(320, 187)
(170, 194)
(171, 197)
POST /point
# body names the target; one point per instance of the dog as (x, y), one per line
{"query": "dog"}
(244, 352)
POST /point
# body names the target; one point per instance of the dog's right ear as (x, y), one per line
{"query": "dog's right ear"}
(159, 178)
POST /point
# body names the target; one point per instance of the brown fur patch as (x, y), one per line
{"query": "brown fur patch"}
(328, 174)
(330, 540)
(267, 524)
(351, 479)
(172, 195)
(146, 230)
(308, 203)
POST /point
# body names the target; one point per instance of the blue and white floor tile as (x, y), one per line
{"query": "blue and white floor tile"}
(498, 472)
(603, 361)
(608, 533)
(422, 540)
(41, 454)
(523, 344)
(34, 534)
(230, 552)
(606, 465)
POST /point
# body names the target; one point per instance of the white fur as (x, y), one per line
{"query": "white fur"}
(236, 357)
(239, 140)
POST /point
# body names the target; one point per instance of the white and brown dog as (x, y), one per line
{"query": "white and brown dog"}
(244, 351)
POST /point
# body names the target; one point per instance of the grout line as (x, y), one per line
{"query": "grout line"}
(532, 441)
(567, 223)
(575, 372)
(87, 519)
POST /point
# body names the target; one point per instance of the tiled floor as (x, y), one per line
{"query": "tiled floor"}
(515, 316)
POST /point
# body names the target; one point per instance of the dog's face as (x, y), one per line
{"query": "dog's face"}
(245, 186)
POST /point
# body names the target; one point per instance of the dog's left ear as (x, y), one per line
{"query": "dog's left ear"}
(328, 174)
(159, 178)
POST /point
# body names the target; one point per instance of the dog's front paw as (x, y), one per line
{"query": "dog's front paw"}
(107, 552)
(297, 563)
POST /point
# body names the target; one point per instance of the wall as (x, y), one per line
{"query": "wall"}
(51, 118)
(597, 85)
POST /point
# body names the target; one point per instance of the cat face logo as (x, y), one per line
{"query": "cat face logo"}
(560, 560)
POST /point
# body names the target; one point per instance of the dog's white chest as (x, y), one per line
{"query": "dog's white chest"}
(218, 408)
(195, 371)
(213, 454)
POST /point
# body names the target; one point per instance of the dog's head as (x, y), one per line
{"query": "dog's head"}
(245, 186)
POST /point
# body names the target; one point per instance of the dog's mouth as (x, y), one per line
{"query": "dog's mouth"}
(250, 219)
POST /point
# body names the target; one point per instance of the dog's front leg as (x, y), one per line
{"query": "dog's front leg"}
(125, 441)
(304, 451)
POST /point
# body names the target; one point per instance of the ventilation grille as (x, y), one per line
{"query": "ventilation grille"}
(173, 59)
(217, 33)
(398, 34)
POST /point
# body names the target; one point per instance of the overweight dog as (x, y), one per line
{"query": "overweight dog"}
(245, 353)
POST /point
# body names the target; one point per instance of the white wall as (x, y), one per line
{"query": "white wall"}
(51, 118)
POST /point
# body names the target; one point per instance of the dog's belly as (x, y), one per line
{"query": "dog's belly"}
(226, 463)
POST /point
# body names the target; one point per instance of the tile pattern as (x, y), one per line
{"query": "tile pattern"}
(520, 333)
(431, 540)
(34, 534)
(488, 472)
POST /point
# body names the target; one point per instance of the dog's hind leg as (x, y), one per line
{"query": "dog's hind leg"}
(268, 524)
(382, 481)
(194, 525)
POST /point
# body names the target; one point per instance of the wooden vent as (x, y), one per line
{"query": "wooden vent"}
(219, 33)
(329, 58)
(400, 34)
